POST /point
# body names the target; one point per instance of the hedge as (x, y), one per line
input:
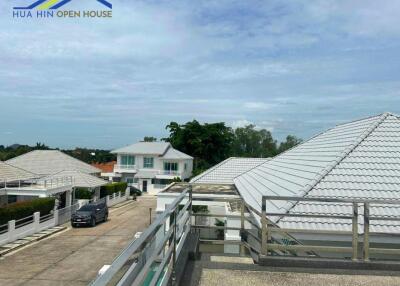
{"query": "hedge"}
(83, 194)
(20, 210)
(112, 188)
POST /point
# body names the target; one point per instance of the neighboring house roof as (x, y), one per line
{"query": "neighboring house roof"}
(144, 148)
(10, 173)
(105, 167)
(48, 162)
(227, 170)
(360, 159)
(173, 154)
(80, 179)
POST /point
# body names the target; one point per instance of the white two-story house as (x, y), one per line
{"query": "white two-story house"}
(151, 166)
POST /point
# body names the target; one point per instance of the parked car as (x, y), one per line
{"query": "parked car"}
(90, 214)
(135, 192)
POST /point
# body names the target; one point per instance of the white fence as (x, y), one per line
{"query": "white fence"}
(16, 229)
(117, 198)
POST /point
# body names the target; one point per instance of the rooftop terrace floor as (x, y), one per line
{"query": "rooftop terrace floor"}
(215, 270)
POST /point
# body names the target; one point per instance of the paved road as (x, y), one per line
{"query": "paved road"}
(73, 257)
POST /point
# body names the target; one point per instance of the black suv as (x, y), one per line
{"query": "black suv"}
(90, 214)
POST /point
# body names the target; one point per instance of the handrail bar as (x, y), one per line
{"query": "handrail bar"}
(330, 200)
(134, 246)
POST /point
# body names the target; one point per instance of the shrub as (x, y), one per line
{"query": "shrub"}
(82, 194)
(112, 188)
(20, 210)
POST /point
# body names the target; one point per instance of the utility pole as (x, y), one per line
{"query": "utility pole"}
(150, 216)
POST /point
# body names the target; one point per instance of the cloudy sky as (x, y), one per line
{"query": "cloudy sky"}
(293, 67)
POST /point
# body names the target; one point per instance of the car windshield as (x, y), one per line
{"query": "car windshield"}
(87, 208)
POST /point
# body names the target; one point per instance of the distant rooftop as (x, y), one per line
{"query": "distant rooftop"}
(227, 170)
(175, 154)
(48, 162)
(10, 173)
(105, 167)
(144, 148)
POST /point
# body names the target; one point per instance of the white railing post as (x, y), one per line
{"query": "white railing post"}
(55, 217)
(36, 221)
(107, 200)
(11, 230)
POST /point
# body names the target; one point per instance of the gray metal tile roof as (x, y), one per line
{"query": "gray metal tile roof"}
(144, 148)
(10, 173)
(48, 162)
(227, 170)
(173, 154)
(360, 159)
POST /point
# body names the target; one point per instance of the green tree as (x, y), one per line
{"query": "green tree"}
(149, 139)
(208, 143)
(250, 142)
(290, 142)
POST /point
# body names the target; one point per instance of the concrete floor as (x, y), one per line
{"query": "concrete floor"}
(233, 271)
(74, 257)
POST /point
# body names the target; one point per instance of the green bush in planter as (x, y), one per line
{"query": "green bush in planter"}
(112, 188)
(83, 194)
(24, 209)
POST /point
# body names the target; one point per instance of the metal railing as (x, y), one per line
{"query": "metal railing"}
(170, 172)
(152, 256)
(268, 228)
(46, 183)
(125, 167)
(24, 221)
(3, 228)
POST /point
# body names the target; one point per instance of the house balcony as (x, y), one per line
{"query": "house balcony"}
(125, 169)
(168, 174)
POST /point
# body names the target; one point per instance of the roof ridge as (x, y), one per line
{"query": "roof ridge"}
(336, 162)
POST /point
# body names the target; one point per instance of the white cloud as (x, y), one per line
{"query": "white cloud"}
(257, 105)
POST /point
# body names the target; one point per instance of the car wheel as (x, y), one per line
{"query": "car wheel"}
(93, 222)
(105, 217)
(73, 225)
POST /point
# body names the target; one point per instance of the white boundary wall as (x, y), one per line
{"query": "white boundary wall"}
(117, 198)
(19, 229)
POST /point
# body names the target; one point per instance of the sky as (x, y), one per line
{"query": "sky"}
(292, 67)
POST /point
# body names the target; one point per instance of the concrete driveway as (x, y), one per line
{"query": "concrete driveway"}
(73, 257)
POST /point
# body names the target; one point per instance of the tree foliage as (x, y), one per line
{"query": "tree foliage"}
(211, 143)
(290, 142)
(207, 143)
(86, 155)
(149, 139)
(250, 142)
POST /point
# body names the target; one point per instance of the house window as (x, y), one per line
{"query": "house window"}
(148, 162)
(185, 166)
(168, 166)
(127, 160)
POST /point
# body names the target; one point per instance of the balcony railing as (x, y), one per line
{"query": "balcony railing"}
(125, 167)
(170, 173)
(153, 256)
